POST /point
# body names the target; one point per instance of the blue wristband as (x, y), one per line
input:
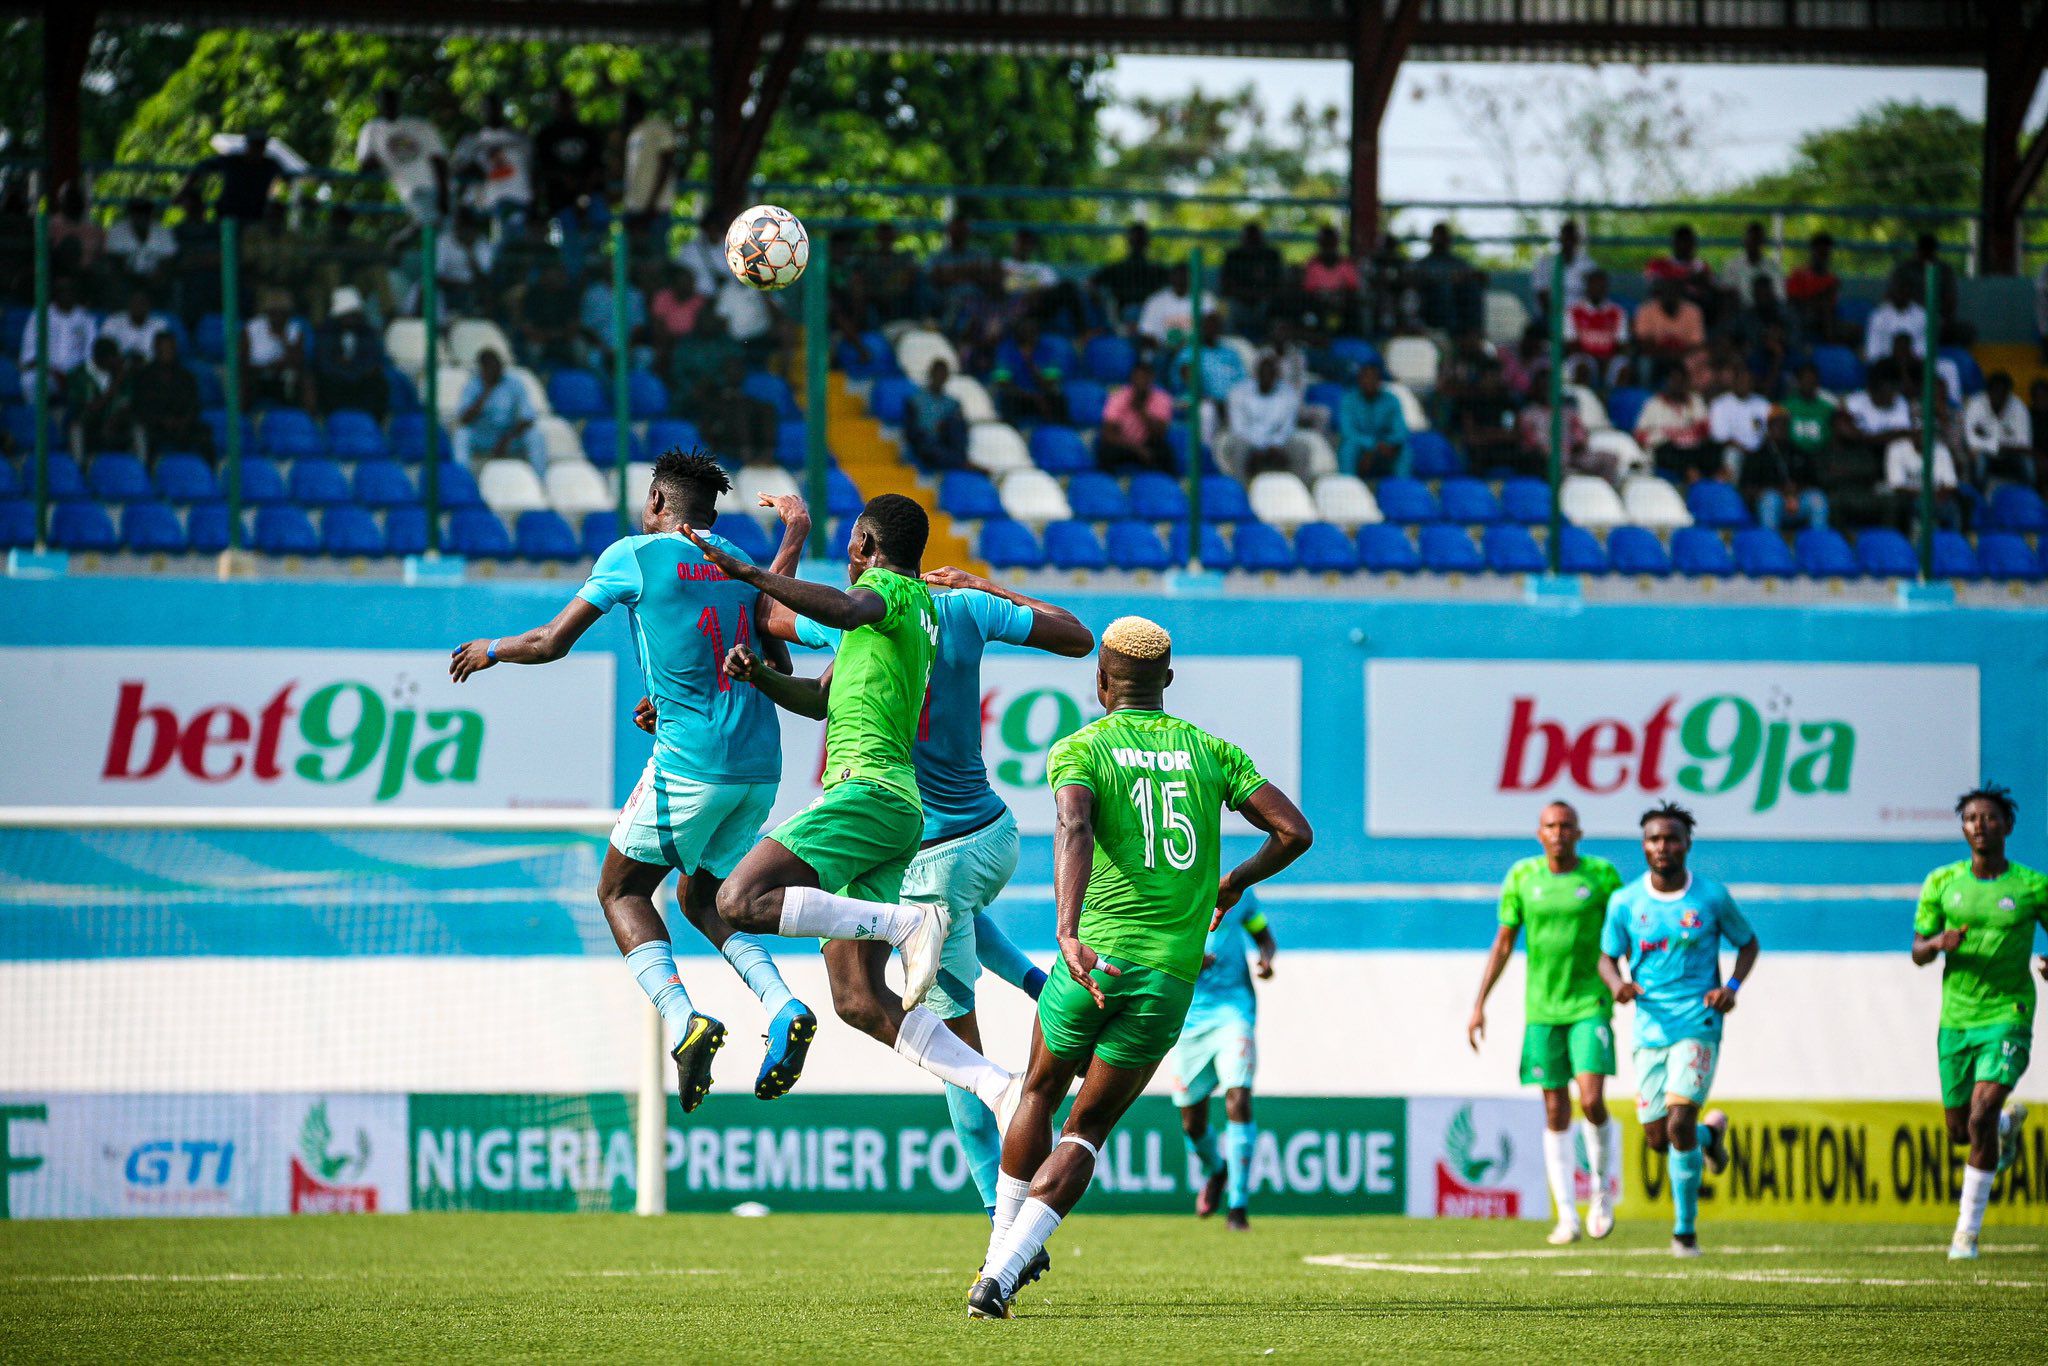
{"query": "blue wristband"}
(491, 652)
(1734, 984)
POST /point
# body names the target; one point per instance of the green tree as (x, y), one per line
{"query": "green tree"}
(124, 67)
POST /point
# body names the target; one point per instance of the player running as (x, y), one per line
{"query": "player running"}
(717, 756)
(858, 838)
(1217, 1049)
(1668, 927)
(1978, 916)
(1140, 796)
(1562, 897)
(969, 851)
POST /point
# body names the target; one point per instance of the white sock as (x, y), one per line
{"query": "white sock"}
(1976, 1195)
(1599, 1149)
(1034, 1224)
(1011, 1192)
(808, 913)
(924, 1039)
(1557, 1165)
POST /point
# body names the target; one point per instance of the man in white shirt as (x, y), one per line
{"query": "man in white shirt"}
(1902, 466)
(1897, 315)
(139, 242)
(1736, 420)
(704, 257)
(135, 330)
(1577, 266)
(1263, 414)
(274, 353)
(498, 160)
(71, 336)
(410, 153)
(1748, 266)
(2000, 431)
(650, 169)
(1170, 310)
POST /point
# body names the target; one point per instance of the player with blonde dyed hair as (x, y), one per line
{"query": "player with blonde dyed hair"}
(1140, 797)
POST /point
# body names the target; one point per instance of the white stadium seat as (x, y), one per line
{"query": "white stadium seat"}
(1507, 317)
(469, 338)
(1413, 361)
(559, 440)
(510, 487)
(918, 348)
(405, 343)
(1279, 499)
(1321, 456)
(1412, 411)
(1630, 456)
(1588, 501)
(1650, 502)
(997, 448)
(639, 476)
(1346, 501)
(1247, 354)
(453, 379)
(575, 487)
(753, 481)
(536, 392)
(1034, 497)
(975, 404)
(1592, 411)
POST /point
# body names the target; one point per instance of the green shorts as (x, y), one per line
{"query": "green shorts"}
(967, 874)
(1553, 1054)
(1144, 1015)
(858, 837)
(1994, 1053)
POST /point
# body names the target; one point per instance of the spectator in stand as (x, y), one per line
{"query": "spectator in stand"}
(348, 358)
(1810, 416)
(1134, 423)
(2037, 413)
(1222, 367)
(2000, 432)
(1769, 357)
(134, 330)
(967, 281)
(1867, 423)
(748, 315)
(1453, 293)
(163, 396)
(1391, 301)
(1372, 431)
(1483, 414)
(1330, 289)
(731, 419)
(1814, 289)
(1903, 463)
(1749, 267)
(1134, 277)
(197, 287)
(1253, 277)
(549, 319)
(1037, 290)
(649, 175)
(1782, 481)
(96, 401)
(496, 161)
(345, 258)
(72, 331)
(76, 241)
(274, 354)
(1261, 431)
(1668, 327)
(142, 248)
(1762, 309)
(1736, 419)
(704, 255)
(596, 314)
(1910, 277)
(702, 358)
(1596, 334)
(1674, 429)
(890, 275)
(1285, 347)
(408, 151)
(568, 157)
(934, 424)
(1027, 383)
(465, 262)
(1913, 374)
(1168, 317)
(246, 176)
(1532, 438)
(673, 313)
(1897, 314)
(1526, 368)
(1577, 267)
(496, 416)
(1686, 268)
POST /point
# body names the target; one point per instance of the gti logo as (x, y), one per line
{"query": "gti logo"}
(195, 1163)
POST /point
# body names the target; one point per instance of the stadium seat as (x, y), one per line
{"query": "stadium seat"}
(1526, 501)
(211, 392)
(598, 531)
(1177, 447)
(469, 338)
(1323, 548)
(2015, 507)
(1344, 500)
(1157, 497)
(1010, 545)
(409, 437)
(216, 420)
(1135, 545)
(1097, 497)
(647, 396)
(285, 530)
(1699, 552)
(541, 534)
(1325, 393)
(1085, 398)
(456, 489)
(2005, 556)
(998, 448)
(1384, 548)
(1412, 412)
(1413, 361)
(1762, 554)
(1469, 502)
(117, 478)
(1823, 554)
(317, 483)
(152, 528)
(262, 483)
(918, 347)
(792, 443)
(975, 404)
(1223, 500)
(405, 343)
(185, 479)
(288, 434)
(1714, 503)
(354, 435)
(1108, 358)
(478, 534)
(748, 486)
(1347, 354)
(1263, 549)
(384, 484)
(510, 487)
(889, 398)
(665, 434)
(20, 426)
(17, 523)
(1073, 545)
(1651, 502)
(842, 495)
(576, 394)
(1886, 554)
(1955, 557)
(969, 495)
(66, 484)
(1034, 497)
(403, 395)
(1506, 316)
(1449, 550)
(206, 528)
(1407, 501)
(773, 390)
(574, 488)
(1592, 412)
(1280, 499)
(1216, 553)
(1579, 552)
(1841, 370)
(1636, 550)
(209, 339)
(1625, 405)
(82, 526)
(10, 479)
(405, 531)
(746, 533)
(1509, 549)
(1968, 373)
(351, 531)
(600, 442)
(1432, 456)
(1058, 449)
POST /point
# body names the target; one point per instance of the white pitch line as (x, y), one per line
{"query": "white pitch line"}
(655, 1271)
(1758, 1276)
(153, 1277)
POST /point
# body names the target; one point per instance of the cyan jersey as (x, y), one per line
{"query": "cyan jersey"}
(1225, 985)
(952, 780)
(1672, 945)
(685, 614)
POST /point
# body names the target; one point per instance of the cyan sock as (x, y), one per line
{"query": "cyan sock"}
(1685, 1168)
(1238, 1138)
(749, 958)
(1204, 1151)
(996, 953)
(654, 967)
(982, 1143)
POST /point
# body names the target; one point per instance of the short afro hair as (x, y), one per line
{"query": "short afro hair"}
(1997, 794)
(692, 479)
(1669, 811)
(1137, 638)
(900, 527)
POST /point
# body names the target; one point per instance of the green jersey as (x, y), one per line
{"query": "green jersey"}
(1984, 979)
(1160, 787)
(1810, 422)
(1563, 913)
(878, 683)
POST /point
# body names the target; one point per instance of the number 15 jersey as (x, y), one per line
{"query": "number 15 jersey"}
(1160, 786)
(685, 614)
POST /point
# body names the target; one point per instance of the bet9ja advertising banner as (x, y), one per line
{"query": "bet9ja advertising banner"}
(1764, 751)
(231, 727)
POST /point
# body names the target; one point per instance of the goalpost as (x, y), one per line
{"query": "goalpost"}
(172, 976)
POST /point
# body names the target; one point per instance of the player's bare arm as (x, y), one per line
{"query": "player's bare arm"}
(541, 645)
(1496, 963)
(1288, 837)
(1617, 981)
(1073, 856)
(1267, 948)
(842, 610)
(1722, 998)
(796, 529)
(1928, 947)
(1054, 629)
(803, 696)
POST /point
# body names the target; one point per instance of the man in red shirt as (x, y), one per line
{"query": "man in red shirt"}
(1596, 330)
(1814, 289)
(1685, 265)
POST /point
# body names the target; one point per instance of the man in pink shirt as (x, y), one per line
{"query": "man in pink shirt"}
(1669, 326)
(1134, 423)
(1329, 283)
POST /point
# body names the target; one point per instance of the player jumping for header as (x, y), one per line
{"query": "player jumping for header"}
(1978, 915)
(1140, 798)
(1218, 1050)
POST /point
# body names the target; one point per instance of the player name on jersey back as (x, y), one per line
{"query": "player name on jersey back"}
(1157, 760)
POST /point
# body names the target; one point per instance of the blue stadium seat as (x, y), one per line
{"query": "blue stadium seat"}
(2015, 507)
(477, 533)
(1351, 352)
(1625, 405)
(1216, 552)
(772, 389)
(1700, 552)
(1085, 398)
(384, 484)
(20, 420)
(262, 483)
(317, 483)
(543, 535)
(1886, 554)
(1449, 550)
(575, 393)
(10, 480)
(2005, 556)
(1073, 545)
(1177, 446)
(1841, 370)
(1325, 394)
(1385, 548)
(1108, 359)
(17, 523)
(1716, 504)
(746, 533)
(212, 394)
(1968, 371)
(861, 358)
(1823, 554)
(152, 528)
(1526, 501)
(1510, 549)
(600, 442)
(888, 399)
(403, 393)
(1097, 497)
(409, 437)
(82, 526)
(1762, 554)
(1579, 552)
(646, 396)
(66, 483)
(1432, 456)
(1010, 545)
(1135, 545)
(1056, 352)
(792, 443)
(1157, 497)
(285, 530)
(117, 478)
(209, 339)
(842, 495)
(1325, 549)
(1060, 450)
(1263, 549)
(969, 495)
(457, 488)
(1469, 502)
(1223, 500)
(351, 531)
(405, 530)
(1407, 501)
(10, 374)
(184, 478)
(598, 531)
(354, 435)
(216, 420)
(206, 528)
(1634, 550)
(289, 434)
(1955, 557)
(666, 434)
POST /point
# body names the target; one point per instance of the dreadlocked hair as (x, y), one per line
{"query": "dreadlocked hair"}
(693, 477)
(1997, 794)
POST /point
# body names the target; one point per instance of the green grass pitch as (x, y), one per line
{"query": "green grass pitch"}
(802, 1288)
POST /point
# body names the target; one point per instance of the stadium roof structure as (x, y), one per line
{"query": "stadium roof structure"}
(756, 44)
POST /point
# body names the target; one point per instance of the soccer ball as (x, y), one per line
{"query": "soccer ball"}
(767, 248)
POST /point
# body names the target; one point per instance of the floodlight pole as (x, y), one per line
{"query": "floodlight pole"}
(817, 364)
(1554, 548)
